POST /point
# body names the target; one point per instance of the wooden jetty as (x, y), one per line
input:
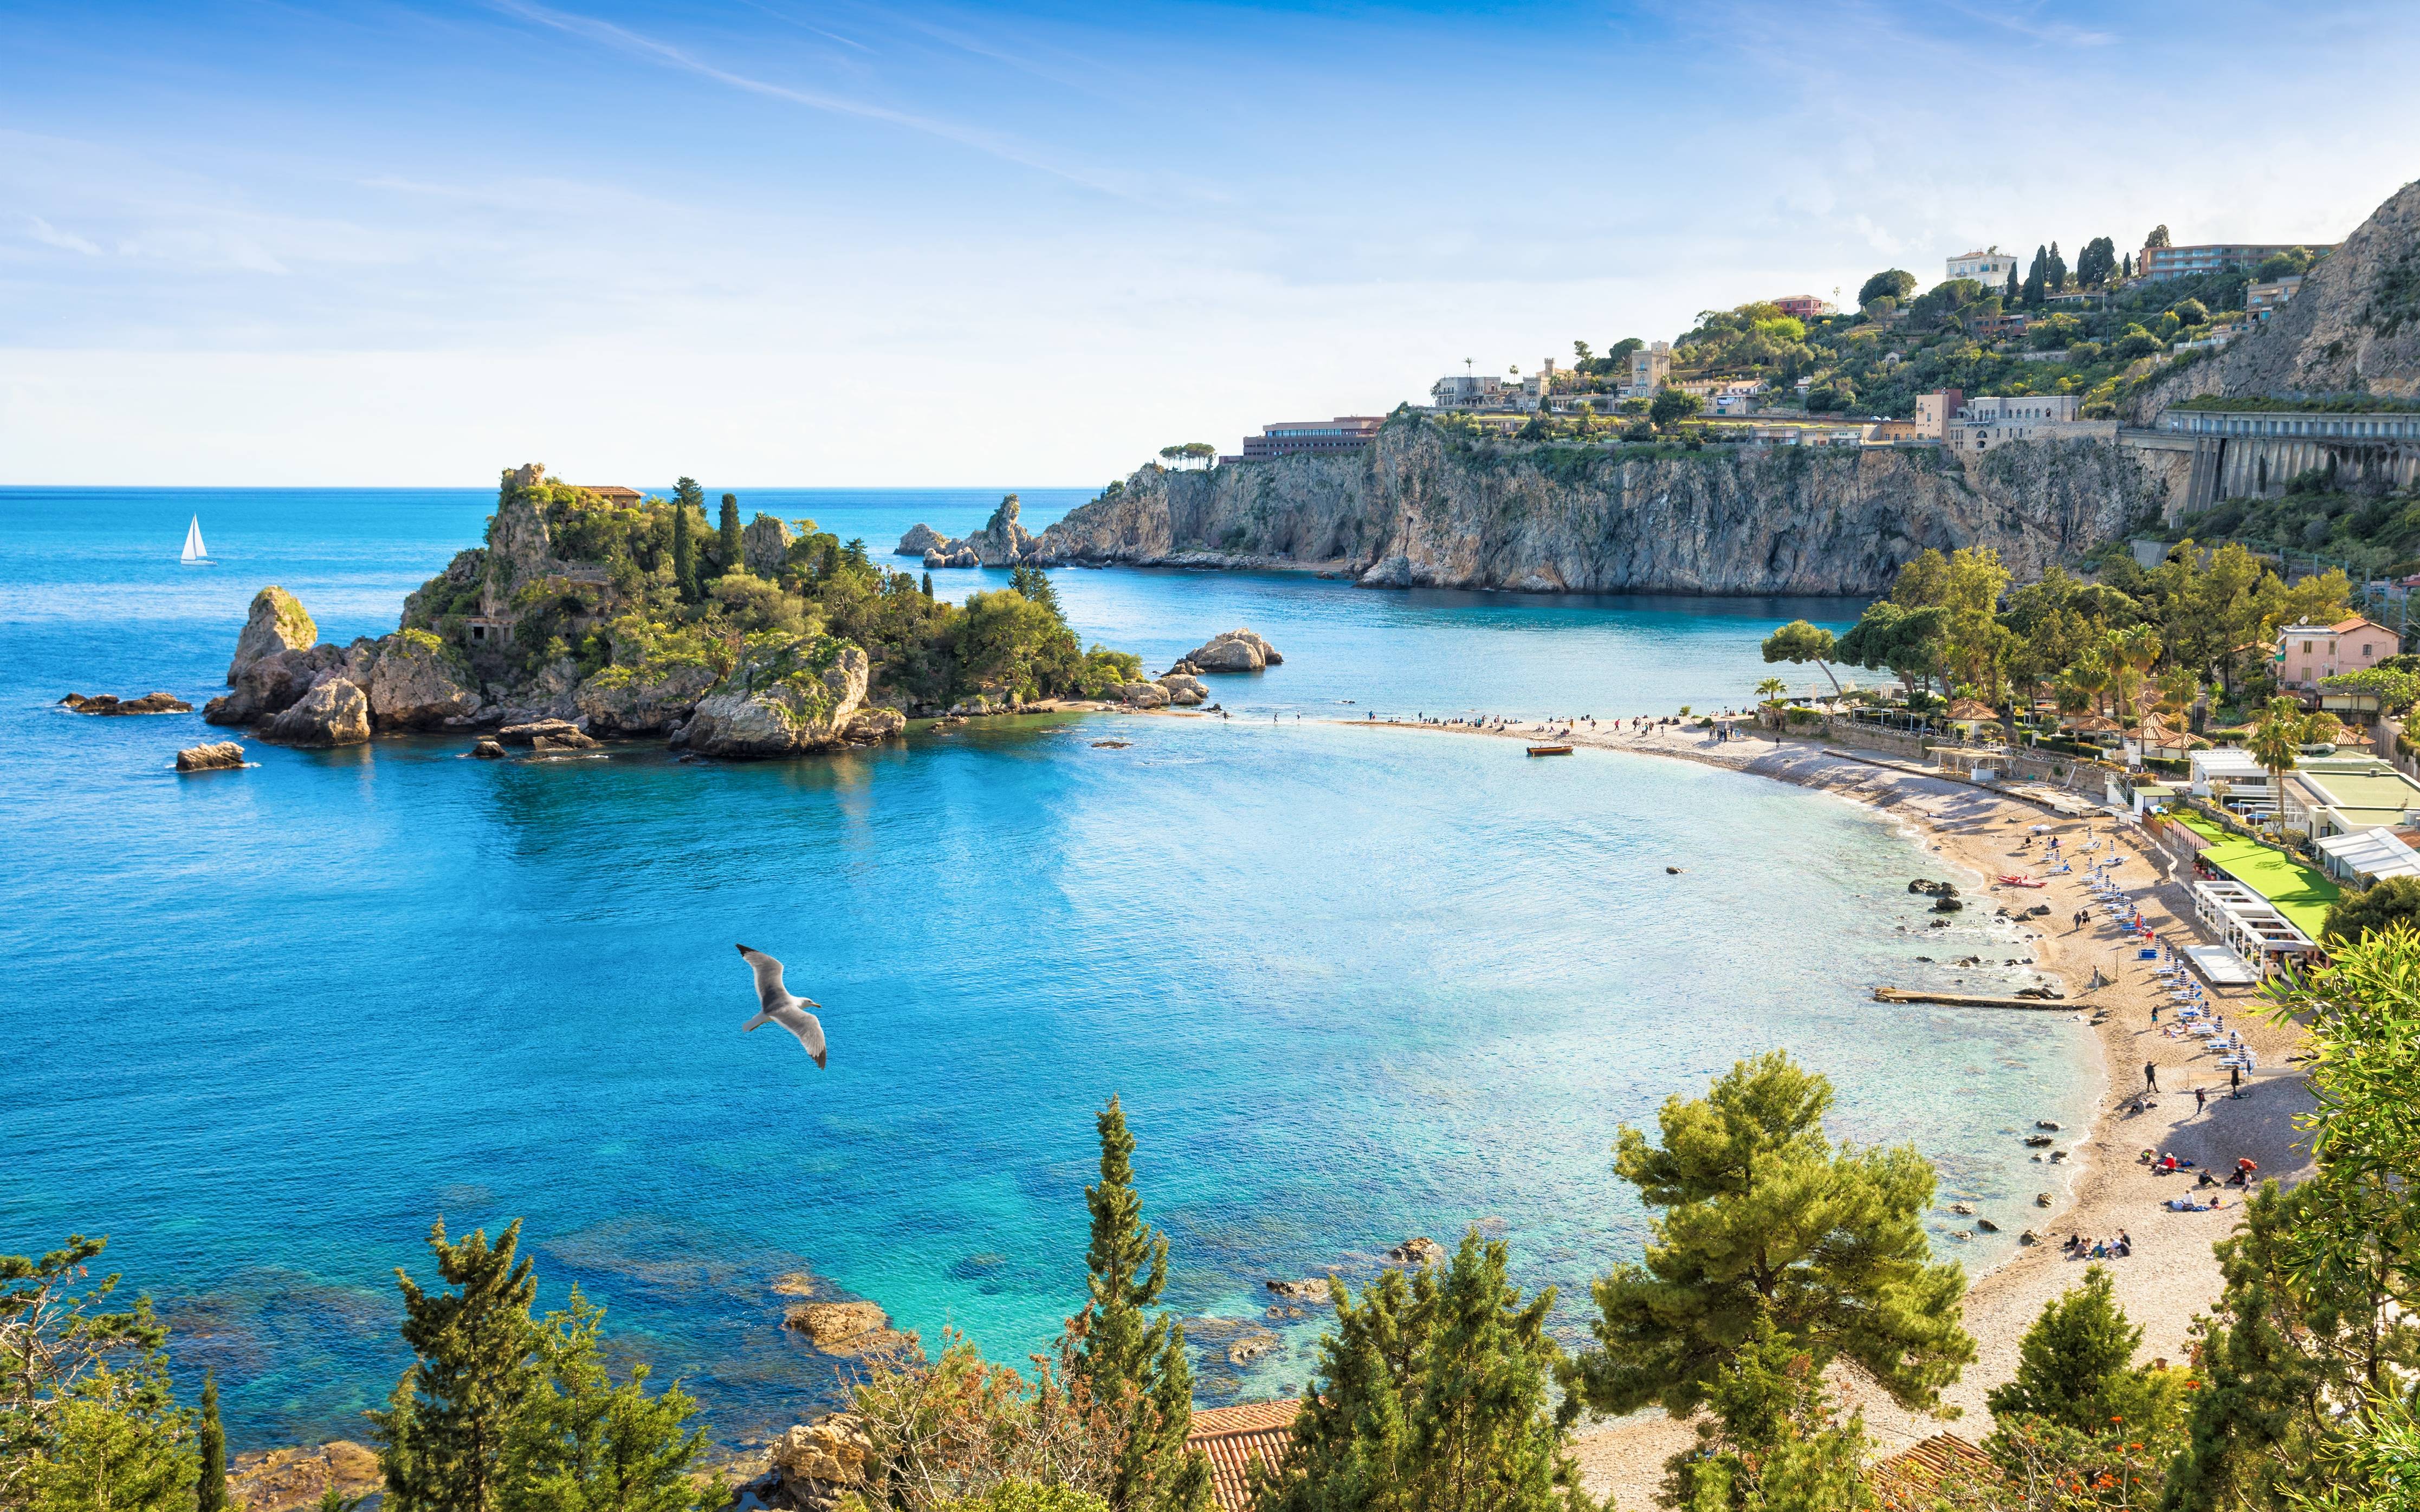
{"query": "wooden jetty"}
(1904, 994)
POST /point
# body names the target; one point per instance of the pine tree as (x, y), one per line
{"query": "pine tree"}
(729, 532)
(684, 555)
(1136, 1368)
(211, 1490)
(1482, 1436)
(2077, 1360)
(1352, 1437)
(587, 1444)
(1762, 1217)
(442, 1438)
(1774, 1441)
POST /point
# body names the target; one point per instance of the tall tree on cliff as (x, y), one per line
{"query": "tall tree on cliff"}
(2055, 271)
(729, 531)
(211, 1490)
(2037, 275)
(2009, 295)
(1763, 1217)
(684, 555)
(443, 1437)
(1136, 1368)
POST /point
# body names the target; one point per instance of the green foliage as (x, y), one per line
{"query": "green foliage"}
(1890, 284)
(957, 1432)
(727, 534)
(683, 556)
(1027, 1496)
(1762, 1217)
(211, 1485)
(1772, 1440)
(586, 1442)
(1431, 1394)
(2279, 1355)
(1672, 406)
(2074, 1366)
(2357, 915)
(442, 1438)
(1134, 1367)
(87, 1420)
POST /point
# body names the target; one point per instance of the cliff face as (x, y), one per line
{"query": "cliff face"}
(1417, 509)
(2353, 328)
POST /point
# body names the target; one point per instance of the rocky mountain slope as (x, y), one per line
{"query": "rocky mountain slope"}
(2354, 326)
(1422, 508)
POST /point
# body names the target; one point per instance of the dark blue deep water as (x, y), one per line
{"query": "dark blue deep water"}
(263, 1027)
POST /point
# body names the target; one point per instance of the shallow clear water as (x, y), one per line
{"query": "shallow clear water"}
(1352, 984)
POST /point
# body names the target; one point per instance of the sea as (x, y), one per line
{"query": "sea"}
(1351, 985)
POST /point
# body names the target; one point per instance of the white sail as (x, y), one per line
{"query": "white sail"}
(195, 550)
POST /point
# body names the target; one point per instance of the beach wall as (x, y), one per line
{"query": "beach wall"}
(1421, 508)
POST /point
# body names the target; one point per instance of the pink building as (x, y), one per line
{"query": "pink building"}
(1803, 306)
(2307, 653)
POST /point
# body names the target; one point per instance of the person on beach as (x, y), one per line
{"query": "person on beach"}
(2235, 1081)
(2201, 1100)
(2150, 1076)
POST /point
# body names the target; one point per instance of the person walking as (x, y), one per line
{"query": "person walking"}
(2201, 1100)
(2235, 1081)
(2150, 1076)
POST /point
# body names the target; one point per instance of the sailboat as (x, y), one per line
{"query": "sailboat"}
(197, 554)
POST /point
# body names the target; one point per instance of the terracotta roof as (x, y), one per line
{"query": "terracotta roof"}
(2342, 626)
(2090, 721)
(611, 490)
(1973, 709)
(1909, 1478)
(1235, 1438)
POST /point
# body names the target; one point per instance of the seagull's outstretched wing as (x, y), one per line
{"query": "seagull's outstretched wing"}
(769, 990)
(808, 1029)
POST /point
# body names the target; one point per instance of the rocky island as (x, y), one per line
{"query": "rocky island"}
(587, 616)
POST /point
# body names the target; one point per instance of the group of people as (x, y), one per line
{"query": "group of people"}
(2169, 1164)
(2079, 1248)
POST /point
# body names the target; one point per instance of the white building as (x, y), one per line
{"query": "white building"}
(1987, 421)
(1990, 267)
(1469, 391)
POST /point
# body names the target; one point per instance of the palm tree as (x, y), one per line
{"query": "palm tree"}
(2277, 741)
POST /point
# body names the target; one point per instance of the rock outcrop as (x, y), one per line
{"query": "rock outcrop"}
(281, 1480)
(1234, 651)
(830, 1324)
(1144, 695)
(546, 734)
(414, 683)
(1421, 1251)
(333, 713)
(922, 538)
(110, 704)
(277, 622)
(764, 545)
(1184, 690)
(816, 1466)
(271, 684)
(1421, 508)
(787, 695)
(870, 725)
(218, 756)
(652, 699)
(1002, 541)
(2352, 327)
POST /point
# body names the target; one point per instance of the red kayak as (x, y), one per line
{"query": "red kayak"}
(2023, 881)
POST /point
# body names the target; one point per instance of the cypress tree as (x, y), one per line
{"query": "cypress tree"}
(730, 532)
(1136, 1368)
(684, 555)
(444, 1438)
(928, 587)
(211, 1492)
(2009, 296)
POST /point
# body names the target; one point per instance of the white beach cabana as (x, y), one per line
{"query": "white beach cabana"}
(2220, 967)
(2249, 923)
(2224, 763)
(2366, 855)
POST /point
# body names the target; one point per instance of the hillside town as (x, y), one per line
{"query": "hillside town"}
(2038, 353)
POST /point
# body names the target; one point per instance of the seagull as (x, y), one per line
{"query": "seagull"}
(780, 1008)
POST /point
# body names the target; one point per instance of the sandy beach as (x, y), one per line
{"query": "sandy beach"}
(2172, 1275)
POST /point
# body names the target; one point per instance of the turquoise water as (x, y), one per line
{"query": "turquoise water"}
(1352, 984)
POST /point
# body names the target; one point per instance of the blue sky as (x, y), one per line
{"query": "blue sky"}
(834, 242)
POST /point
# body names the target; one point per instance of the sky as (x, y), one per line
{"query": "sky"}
(836, 242)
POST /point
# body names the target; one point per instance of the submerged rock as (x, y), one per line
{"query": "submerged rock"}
(1251, 1347)
(218, 756)
(1309, 1290)
(111, 703)
(1421, 1251)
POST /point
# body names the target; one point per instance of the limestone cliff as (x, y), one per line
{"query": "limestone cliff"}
(1421, 508)
(2353, 328)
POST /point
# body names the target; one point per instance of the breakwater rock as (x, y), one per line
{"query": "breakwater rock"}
(110, 704)
(1419, 508)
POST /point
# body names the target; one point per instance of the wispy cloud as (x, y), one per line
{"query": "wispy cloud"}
(51, 236)
(640, 45)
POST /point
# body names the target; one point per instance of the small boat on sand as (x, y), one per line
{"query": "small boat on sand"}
(2023, 881)
(1550, 750)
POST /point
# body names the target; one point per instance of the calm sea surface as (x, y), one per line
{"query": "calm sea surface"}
(263, 1027)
